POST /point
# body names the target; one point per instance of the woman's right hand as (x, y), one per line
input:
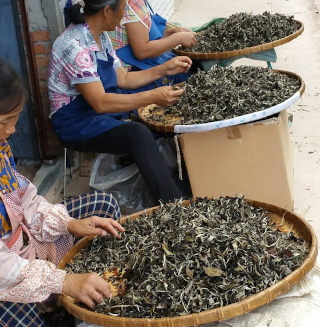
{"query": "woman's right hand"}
(87, 288)
(166, 96)
(186, 39)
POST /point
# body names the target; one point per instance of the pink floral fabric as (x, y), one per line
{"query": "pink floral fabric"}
(83, 60)
(22, 279)
(74, 61)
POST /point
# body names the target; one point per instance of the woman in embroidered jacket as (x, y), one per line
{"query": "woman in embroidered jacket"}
(34, 235)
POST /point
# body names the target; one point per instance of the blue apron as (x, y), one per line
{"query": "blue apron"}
(78, 121)
(158, 26)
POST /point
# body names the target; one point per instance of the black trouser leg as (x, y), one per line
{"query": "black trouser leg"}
(137, 140)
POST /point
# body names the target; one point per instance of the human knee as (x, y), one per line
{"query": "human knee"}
(140, 131)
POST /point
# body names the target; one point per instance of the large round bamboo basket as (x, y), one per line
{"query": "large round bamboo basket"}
(241, 52)
(144, 113)
(289, 220)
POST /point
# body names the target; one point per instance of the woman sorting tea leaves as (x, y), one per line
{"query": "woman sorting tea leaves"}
(91, 94)
(141, 40)
(35, 235)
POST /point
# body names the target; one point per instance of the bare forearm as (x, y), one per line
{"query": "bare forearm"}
(144, 48)
(134, 80)
(157, 47)
(102, 102)
(116, 103)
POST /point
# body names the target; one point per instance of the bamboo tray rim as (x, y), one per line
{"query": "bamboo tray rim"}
(226, 312)
(240, 52)
(160, 127)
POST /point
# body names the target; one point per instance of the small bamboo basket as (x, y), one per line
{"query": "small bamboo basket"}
(285, 221)
(241, 52)
(144, 113)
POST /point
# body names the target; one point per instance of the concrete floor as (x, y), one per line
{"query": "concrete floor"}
(76, 183)
(301, 56)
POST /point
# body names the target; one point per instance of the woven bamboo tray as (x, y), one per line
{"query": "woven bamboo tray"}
(241, 52)
(300, 228)
(144, 113)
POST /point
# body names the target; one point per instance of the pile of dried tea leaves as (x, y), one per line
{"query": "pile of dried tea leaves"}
(187, 259)
(225, 93)
(244, 30)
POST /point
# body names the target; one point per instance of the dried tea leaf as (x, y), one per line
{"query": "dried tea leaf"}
(226, 93)
(159, 274)
(189, 273)
(165, 81)
(243, 30)
(213, 272)
(188, 239)
(165, 247)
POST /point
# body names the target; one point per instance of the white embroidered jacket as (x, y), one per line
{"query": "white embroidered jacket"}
(28, 270)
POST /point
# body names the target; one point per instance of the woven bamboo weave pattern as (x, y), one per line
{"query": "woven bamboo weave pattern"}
(289, 220)
(168, 127)
(241, 52)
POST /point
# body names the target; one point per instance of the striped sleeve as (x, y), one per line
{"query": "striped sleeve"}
(136, 10)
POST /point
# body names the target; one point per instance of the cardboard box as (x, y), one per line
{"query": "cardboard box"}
(255, 160)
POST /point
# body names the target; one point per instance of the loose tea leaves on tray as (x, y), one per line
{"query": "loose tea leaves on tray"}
(187, 259)
(224, 93)
(244, 30)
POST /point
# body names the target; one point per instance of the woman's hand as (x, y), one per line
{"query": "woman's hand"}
(177, 29)
(143, 47)
(177, 65)
(95, 226)
(87, 288)
(186, 39)
(166, 96)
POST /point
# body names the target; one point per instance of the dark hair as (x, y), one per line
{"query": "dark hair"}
(91, 8)
(12, 90)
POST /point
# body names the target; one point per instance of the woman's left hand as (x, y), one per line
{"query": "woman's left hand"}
(177, 29)
(177, 65)
(95, 226)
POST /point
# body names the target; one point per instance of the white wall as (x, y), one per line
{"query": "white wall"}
(165, 8)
